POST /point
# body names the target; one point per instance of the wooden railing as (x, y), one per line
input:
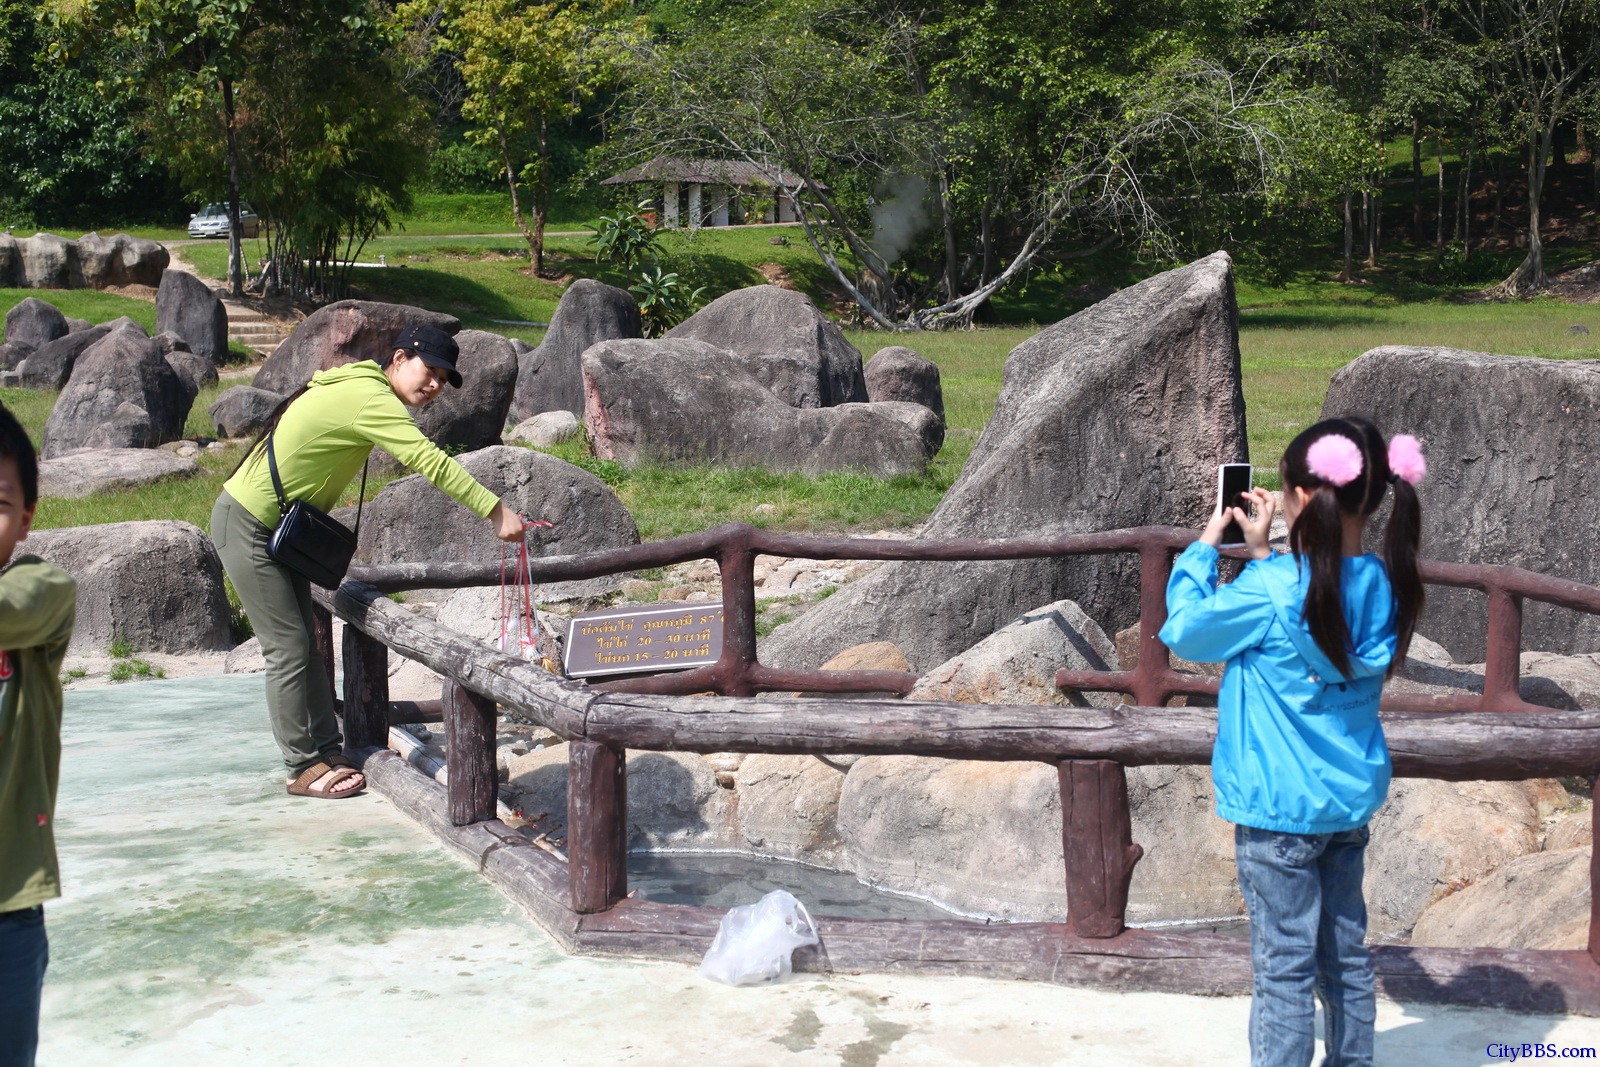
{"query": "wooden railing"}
(1494, 736)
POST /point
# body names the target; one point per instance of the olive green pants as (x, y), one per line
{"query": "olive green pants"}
(278, 602)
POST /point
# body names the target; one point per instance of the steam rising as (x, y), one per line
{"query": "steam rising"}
(898, 216)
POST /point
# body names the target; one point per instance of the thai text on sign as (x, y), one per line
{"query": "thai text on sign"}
(665, 637)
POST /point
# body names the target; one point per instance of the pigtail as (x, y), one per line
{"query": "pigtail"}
(1318, 536)
(1401, 541)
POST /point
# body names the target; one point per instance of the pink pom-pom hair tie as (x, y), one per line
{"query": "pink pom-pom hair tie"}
(1335, 459)
(1405, 458)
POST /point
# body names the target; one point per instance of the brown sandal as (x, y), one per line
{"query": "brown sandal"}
(341, 770)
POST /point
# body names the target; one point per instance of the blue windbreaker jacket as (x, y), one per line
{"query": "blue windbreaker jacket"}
(1299, 746)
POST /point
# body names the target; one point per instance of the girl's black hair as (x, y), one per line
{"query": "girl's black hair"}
(14, 442)
(277, 416)
(1318, 535)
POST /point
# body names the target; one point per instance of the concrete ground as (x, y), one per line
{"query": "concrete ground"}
(210, 918)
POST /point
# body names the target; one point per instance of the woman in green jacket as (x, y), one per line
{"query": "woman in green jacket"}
(320, 439)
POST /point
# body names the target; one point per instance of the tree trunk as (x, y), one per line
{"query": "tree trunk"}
(1438, 226)
(1529, 277)
(1499, 195)
(1348, 274)
(952, 270)
(1416, 180)
(516, 200)
(235, 251)
(541, 198)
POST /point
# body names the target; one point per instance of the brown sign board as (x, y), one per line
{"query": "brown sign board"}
(661, 637)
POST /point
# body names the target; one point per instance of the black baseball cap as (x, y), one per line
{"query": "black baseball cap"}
(435, 347)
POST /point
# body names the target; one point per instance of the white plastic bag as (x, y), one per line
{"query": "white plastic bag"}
(755, 941)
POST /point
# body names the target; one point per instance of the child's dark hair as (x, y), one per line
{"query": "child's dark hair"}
(1318, 534)
(14, 443)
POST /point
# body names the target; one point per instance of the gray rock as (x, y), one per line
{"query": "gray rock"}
(1115, 417)
(186, 307)
(246, 658)
(123, 394)
(344, 332)
(35, 322)
(103, 262)
(74, 325)
(546, 428)
(1018, 663)
(677, 401)
(194, 370)
(412, 521)
(926, 423)
(472, 417)
(50, 262)
(12, 353)
(897, 373)
(550, 377)
(1539, 901)
(11, 273)
(789, 806)
(156, 584)
(243, 410)
(1501, 475)
(767, 324)
(104, 470)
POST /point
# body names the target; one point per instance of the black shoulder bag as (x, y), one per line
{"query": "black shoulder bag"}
(309, 541)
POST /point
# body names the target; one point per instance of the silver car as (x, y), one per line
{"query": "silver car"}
(213, 222)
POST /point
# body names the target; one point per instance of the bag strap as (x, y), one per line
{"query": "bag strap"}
(283, 503)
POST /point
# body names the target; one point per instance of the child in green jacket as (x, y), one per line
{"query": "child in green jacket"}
(37, 604)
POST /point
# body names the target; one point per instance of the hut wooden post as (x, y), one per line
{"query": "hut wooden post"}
(1097, 841)
(322, 640)
(366, 690)
(469, 733)
(597, 825)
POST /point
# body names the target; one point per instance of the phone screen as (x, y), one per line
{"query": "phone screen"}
(1233, 483)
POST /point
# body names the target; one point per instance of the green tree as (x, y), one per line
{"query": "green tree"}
(190, 56)
(524, 65)
(942, 153)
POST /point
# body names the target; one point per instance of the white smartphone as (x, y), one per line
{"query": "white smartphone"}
(1233, 487)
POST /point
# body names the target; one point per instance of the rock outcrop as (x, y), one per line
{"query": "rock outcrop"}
(187, 307)
(786, 343)
(243, 410)
(1501, 475)
(104, 470)
(1115, 417)
(123, 394)
(50, 367)
(550, 377)
(45, 261)
(157, 585)
(35, 323)
(676, 400)
(1536, 901)
(344, 332)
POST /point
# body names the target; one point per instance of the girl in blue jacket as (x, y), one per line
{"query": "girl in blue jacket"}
(1300, 763)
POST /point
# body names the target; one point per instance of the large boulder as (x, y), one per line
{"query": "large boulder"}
(780, 329)
(1501, 475)
(50, 262)
(789, 806)
(104, 470)
(11, 274)
(51, 366)
(411, 521)
(677, 401)
(123, 394)
(1115, 417)
(35, 322)
(187, 307)
(243, 410)
(194, 370)
(1539, 901)
(1018, 663)
(157, 585)
(546, 428)
(344, 332)
(103, 262)
(472, 417)
(12, 353)
(550, 377)
(1432, 837)
(897, 373)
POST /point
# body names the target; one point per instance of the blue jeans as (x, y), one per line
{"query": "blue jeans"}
(1308, 926)
(24, 953)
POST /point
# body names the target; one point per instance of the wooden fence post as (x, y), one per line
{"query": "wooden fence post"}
(322, 641)
(1594, 877)
(597, 825)
(469, 733)
(1097, 842)
(366, 691)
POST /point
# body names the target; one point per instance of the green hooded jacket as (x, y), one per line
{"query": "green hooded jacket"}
(325, 436)
(38, 603)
